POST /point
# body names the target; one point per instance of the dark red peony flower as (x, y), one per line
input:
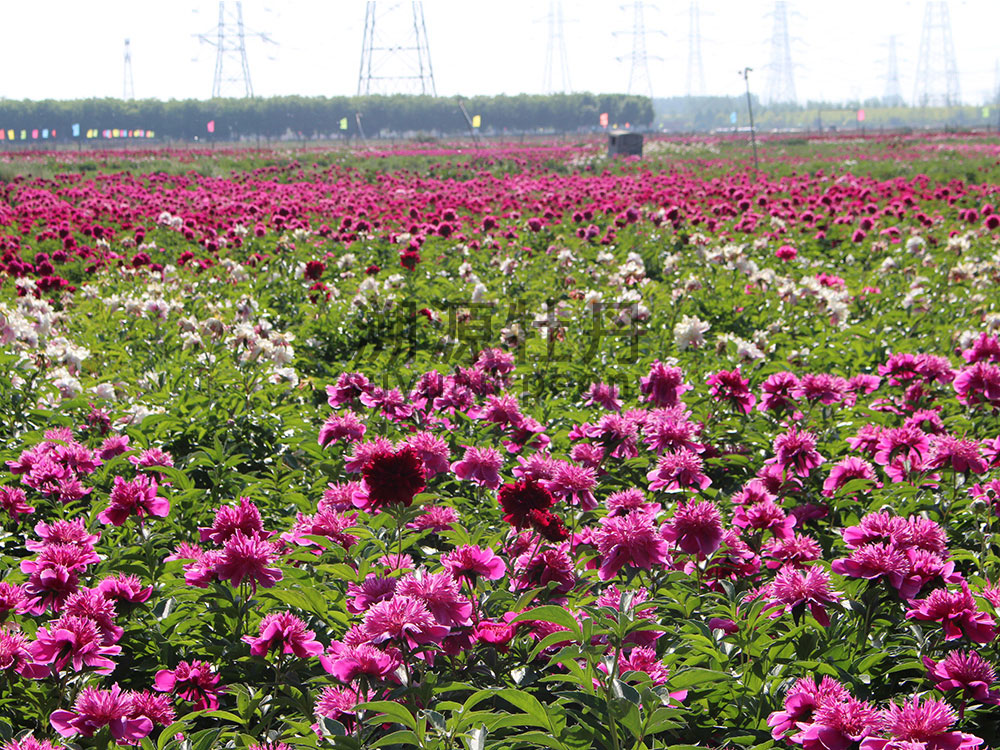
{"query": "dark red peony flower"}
(393, 477)
(549, 525)
(518, 500)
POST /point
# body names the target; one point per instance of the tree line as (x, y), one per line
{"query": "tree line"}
(311, 117)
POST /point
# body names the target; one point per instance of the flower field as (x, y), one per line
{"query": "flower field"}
(506, 447)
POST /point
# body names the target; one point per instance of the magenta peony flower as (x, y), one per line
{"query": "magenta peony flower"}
(193, 681)
(14, 501)
(792, 590)
(76, 641)
(346, 662)
(696, 528)
(604, 395)
(765, 516)
(124, 587)
(962, 456)
(966, 671)
(16, 656)
(847, 470)
(441, 593)
(344, 426)
(838, 726)
(664, 385)
(432, 452)
(472, 563)
(243, 517)
(374, 589)
(481, 466)
(573, 484)
(135, 498)
(402, 618)
(247, 558)
(732, 388)
(979, 384)
(795, 452)
(285, 631)
(95, 709)
(957, 612)
(778, 392)
(678, 471)
(924, 723)
(629, 540)
(801, 702)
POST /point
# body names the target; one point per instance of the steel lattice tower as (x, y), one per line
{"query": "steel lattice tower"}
(695, 68)
(555, 53)
(395, 56)
(232, 71)
(937, 71)
(893, 96)
(128, 86)
(638, 76)
(780, 81)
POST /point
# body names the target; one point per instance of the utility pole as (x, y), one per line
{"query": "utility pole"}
(128, 88)
(893, 96)
(638, 75)
(695, 68)
(753, 136)
(395, 55)
(555, 52)
(937, 70)
(780, 81)
(229, 39)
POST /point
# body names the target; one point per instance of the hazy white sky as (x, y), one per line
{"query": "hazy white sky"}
(70, 49)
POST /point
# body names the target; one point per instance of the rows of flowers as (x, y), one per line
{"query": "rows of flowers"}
(722, 472)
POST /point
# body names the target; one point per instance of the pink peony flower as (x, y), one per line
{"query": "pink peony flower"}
(76, 641)
(95, 709)
(243, 517)
(957, 612)
(480, 466)
(135, 498)
(194, 681)
(732, 388)
(248, 558)
(664, 385)
(346, 662)
(285, 631)
(573, 484)
(678, 471)
(629, 540)
(966, 671)
(472, 563)
(696, 528)
(923, 722)
(402, 619)
(795, 452)
(792, 590)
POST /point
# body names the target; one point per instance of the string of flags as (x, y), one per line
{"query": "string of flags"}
(35, 134)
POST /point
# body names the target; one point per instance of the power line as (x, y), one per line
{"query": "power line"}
(937, 71)
(128, 87)
(780, 80)
(395, 55)
(555, 52)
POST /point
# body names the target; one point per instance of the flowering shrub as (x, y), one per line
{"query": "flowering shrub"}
(514, 453)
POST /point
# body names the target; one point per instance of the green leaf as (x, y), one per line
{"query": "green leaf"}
(394, 711)
(552, 614)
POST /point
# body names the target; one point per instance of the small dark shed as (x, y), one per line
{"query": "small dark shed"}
(624, 143)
